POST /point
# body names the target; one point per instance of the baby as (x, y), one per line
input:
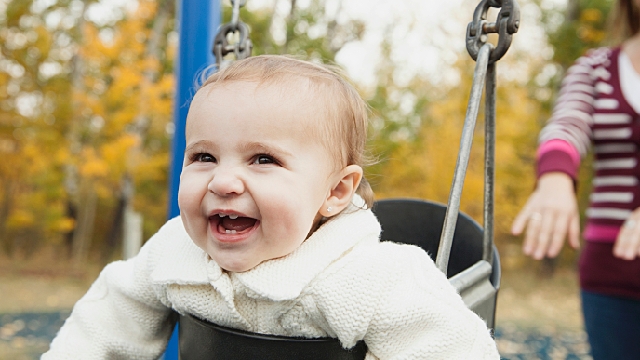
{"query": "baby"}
(275, 235)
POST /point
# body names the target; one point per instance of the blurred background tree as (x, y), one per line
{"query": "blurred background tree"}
(86, 120)
(86, 113)
(85, 107)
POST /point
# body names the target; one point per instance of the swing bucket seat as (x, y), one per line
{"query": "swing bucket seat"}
(420, 223)
(409, 221)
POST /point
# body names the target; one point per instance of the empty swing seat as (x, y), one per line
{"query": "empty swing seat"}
(409, 221)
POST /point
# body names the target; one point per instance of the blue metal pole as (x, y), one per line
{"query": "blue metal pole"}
(197, 23)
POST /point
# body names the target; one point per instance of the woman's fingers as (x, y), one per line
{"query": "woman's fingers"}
(627, 244)
(532, 236)
(560, 230)
(520, 222)
(574, 231)
(549, 216)
(546, 231)
(546, 228)
(544, 234)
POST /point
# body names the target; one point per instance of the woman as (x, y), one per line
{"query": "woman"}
(598, 107)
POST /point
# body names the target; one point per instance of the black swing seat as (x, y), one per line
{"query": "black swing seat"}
(410, 221)
(420, 223)
(199, 339)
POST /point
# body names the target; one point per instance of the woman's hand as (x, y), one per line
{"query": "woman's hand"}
(551, 213)
(627, 244)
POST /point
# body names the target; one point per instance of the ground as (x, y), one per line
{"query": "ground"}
(536, 318)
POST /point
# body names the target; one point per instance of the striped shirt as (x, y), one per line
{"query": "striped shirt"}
(591, 111)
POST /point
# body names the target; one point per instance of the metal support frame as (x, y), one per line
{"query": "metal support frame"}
(197, 24)
(489, 160)
(479, 284)
(466, 141)
(485, 55)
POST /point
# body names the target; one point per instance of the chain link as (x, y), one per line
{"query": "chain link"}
(232, 37)
(505, 26)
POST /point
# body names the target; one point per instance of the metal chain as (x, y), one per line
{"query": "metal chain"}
(505, 26)
(485, 55)
(232, 37)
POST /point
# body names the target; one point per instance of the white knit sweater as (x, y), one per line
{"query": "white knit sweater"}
(342, 282)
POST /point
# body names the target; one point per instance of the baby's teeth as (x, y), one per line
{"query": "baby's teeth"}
(222, 215)
(227, 231)
(232, 217)
(233, 231)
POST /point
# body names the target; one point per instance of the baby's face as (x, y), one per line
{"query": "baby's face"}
(253, 180)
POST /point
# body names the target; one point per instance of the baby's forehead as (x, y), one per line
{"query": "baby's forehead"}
(298, 95)
(317, 114)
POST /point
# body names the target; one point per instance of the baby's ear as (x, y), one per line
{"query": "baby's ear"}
(345, 185)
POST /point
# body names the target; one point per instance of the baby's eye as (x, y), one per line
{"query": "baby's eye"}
(264, 159)
(203, 157)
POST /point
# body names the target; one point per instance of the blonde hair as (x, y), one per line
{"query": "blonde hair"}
(624, 20)
(345, 111)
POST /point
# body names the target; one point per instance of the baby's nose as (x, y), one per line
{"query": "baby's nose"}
(226, 182)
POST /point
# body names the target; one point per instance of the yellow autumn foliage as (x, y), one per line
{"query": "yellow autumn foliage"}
(64, 225)
(20, 218)
(92, 165)
(424, 167)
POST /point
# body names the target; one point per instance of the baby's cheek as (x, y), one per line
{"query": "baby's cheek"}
(192, 230)
(295, 218)
(194, 222)
(189, 196)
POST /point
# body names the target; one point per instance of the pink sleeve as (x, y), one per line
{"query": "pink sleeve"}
(558, 155)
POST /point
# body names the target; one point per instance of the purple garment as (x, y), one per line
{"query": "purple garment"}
(603, 273)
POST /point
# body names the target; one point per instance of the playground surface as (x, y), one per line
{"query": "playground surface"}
(537, 318)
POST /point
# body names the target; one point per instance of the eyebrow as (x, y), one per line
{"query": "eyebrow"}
(254, 146)
(199, 144)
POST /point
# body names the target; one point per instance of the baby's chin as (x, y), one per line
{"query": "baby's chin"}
(236, 268)
(233, 265)
(240, 266)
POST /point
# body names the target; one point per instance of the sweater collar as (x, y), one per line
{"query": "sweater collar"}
(278, 279)
(286, 277)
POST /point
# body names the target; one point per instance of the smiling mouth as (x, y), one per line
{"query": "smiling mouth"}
(232, 227)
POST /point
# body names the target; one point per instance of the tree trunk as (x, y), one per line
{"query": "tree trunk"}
(5, 207)
(573, 10)
(115, 231)
(71, 213)
(289, 21)
(84, 230)
(73, 136)
(142, 120)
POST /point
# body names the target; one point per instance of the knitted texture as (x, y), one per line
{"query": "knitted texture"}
(341, 282)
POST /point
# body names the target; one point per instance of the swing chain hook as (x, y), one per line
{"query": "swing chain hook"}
(505, 26)
(233, 37)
